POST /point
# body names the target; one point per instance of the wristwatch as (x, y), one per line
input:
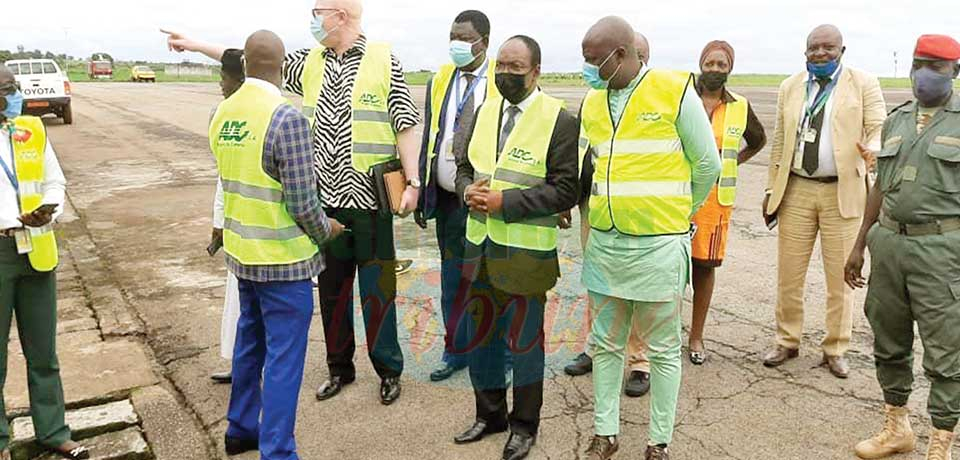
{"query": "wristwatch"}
(415, 183)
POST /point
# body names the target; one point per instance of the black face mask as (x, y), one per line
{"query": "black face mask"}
(512, 87)
(713, 81)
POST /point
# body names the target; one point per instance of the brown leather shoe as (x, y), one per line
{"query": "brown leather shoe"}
(838, 366)
(779, 355)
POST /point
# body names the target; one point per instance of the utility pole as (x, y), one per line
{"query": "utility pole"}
(895, 69)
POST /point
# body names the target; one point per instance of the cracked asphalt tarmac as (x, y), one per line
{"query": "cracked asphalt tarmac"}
(142, 179)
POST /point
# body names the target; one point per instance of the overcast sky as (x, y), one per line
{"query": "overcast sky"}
(768, 35)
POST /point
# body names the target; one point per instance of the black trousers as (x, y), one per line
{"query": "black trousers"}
(367, 250)
(503, 321)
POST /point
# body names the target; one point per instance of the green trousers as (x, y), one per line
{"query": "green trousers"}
(916, 279)
(32, 296)
(659, 325)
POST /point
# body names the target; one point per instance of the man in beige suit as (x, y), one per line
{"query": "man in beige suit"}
(828, 119)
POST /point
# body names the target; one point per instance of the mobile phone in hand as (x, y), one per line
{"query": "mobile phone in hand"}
(772, 222)
(214, 247)
(47, 208)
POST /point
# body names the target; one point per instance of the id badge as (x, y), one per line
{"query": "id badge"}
(810, 135)
(24, 242)
(447, 150)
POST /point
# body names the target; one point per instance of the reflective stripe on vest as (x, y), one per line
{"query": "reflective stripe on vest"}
(521, 165)
(374, 141)
(641, 176)
(734, 125)
(29, 147)
(440, 87)
(258, 229)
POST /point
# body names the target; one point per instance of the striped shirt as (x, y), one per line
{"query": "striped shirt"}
(342, 186)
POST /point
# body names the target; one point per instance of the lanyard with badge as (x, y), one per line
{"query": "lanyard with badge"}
(808, 134)
(22, 235)
(461, 101)
(465, 96)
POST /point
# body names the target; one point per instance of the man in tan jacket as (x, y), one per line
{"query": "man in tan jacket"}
(828, 119)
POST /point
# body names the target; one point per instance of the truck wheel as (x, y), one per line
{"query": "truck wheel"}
(67, 114)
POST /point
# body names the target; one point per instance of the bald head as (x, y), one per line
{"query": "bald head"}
(610, 45)
(264, 56)
(610, 32)
(353, 8)
(824, 44)
(643, 48)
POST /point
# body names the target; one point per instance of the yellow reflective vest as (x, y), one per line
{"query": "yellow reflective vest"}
(641, 181)
(257, 228)
(374, 140)
(439, 89)
(734, 125)
(29, 145)
(521, 165)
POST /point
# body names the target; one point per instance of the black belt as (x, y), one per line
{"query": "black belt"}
(930, 228)
(822, 180)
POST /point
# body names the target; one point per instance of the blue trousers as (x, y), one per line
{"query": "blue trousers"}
(268, 363)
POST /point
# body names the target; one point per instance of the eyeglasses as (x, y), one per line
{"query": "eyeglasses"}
(318, 12)
(7, 89)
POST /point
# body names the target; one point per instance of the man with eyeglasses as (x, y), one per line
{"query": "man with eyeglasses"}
(520, 170)
(32, 193)
(362, 115)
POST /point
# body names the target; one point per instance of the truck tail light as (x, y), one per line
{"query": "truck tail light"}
(66, 88)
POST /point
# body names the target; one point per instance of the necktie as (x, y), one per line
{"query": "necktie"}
(465, 120)
(811, 150)
(508, 125)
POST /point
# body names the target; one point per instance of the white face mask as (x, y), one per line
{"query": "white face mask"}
(317, 29)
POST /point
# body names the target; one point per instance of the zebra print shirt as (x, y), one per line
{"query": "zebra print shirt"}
(342, 186)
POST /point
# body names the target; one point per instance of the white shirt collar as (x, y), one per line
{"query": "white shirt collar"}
(263, 84)
(524, 104)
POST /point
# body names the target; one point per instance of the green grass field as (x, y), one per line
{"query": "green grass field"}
(121, 73)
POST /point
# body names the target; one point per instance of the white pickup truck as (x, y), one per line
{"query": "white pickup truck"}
(45, 88)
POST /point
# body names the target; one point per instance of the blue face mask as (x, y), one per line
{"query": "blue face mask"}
(823, 70)
(591, 74)
(317, 29)
(14, 105)
(930, 87)
(461, 53)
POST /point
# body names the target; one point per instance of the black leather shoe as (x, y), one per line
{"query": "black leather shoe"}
(478, 431)
(443, 372)
(389, 390)
(332, 387)
(638, 384)
(222, 377)
(518, 446)
(581, 365)
(237, 446)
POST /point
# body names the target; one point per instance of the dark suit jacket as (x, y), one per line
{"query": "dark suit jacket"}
(521, 271)
(427, 206)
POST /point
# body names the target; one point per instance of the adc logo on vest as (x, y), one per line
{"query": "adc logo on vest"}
(734, 131)
(649, 117)
(233, 131)
(371, 100)
(521, 156)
